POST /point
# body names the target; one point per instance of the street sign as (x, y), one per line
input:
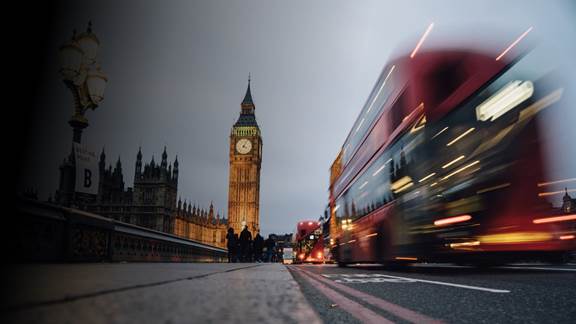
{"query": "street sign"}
(87, 174)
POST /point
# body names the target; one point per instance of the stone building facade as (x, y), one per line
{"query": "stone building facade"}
(152, 201)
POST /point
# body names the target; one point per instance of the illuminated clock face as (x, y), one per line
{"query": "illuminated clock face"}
(243, 146)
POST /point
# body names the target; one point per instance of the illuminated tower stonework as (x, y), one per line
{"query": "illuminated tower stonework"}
(245, 162)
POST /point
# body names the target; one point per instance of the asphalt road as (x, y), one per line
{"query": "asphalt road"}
(523, 293)
(274, 293)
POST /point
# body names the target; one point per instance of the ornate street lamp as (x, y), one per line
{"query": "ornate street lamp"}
(81, 73)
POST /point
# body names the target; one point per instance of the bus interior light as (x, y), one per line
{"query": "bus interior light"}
(510, 96)
(379, 170)
(440, 132)
(460, 170)
(453, 161)
(406, 186)
(464, 244)
(427, 177)
(406, 258)
(554, 219)
(452, 220)
(401, 183)
(460, 136)
(515, 237)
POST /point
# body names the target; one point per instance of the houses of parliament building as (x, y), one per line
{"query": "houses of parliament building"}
(153, 201)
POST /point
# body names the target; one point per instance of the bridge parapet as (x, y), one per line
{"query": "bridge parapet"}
(47, 233)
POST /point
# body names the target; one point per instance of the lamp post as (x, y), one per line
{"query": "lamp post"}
(80, 71)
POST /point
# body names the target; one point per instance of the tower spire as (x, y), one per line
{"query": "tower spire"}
(248, 96)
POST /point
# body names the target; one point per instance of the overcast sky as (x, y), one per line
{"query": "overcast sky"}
(178, 71)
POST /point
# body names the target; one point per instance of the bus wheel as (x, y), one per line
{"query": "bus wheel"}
(342, 264)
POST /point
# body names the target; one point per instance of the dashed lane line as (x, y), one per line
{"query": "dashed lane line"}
(539, 268)
(396, 310)
(442, 283)
(358, 311)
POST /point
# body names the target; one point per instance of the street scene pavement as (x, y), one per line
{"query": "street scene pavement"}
(154, 293)
(520, 293)
(274, 293)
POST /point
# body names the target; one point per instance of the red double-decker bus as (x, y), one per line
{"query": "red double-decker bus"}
(446, 163)
(308, 242)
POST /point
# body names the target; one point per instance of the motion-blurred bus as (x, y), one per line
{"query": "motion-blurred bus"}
(308, 243)
(447, 162)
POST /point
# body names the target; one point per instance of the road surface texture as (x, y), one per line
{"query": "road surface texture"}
(153, 293)
(434, 293)
(273, 293)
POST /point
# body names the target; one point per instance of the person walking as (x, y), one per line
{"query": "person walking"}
(231, 245)
(258, 247)
(236, 248)
(245, 238)
(270, 244)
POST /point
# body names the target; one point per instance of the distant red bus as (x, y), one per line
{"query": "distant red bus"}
(446, 163)
(308, 242)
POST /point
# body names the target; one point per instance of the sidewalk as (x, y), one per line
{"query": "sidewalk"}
(156, 293)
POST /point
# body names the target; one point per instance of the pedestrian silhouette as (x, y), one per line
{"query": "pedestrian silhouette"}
(231, 245)
(258, 247)
(270, 244)
(236, 248)
(245, 238)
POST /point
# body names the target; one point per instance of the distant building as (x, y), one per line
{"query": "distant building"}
(152, 202)
(568, 203)
(282, 241)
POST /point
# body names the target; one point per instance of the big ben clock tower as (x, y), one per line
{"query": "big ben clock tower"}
(245, 161)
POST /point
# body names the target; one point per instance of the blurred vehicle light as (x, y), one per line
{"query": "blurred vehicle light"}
(464, 244)
(452, 220)
(513, 94)
(515, 237)
(554, 219)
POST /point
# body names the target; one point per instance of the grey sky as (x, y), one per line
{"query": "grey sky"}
(178, 72)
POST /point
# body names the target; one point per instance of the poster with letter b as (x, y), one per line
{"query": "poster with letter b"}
(87, 174)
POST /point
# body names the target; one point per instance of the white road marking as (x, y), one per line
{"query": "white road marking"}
(360, 278)
(372, 280)
(539, 268)
(455, 285)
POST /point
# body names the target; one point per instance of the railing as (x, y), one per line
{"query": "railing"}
(48, 233)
